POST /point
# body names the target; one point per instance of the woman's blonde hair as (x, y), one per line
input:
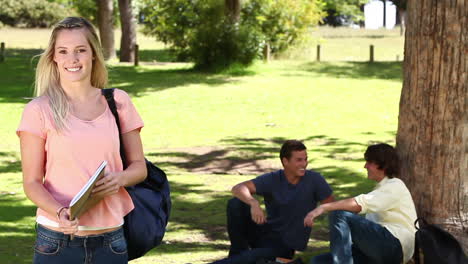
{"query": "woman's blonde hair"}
(47, 74)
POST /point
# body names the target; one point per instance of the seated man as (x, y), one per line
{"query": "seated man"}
(387, 233)
(289, 195)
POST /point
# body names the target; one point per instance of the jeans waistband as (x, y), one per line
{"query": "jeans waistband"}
(80, 241)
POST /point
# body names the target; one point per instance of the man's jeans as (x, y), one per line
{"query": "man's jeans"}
(354, 239)
(249, 241)
(56, 248)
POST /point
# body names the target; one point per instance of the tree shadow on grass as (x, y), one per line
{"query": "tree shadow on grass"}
(180, 246)
(18, 70)
(207, 216)
(16, 249)
(16, 238)
(159, 55)
(137, 81)
(12, 208)
(9, 162)
(215, 160)
(357, 70)
(251, 156)
(202, 222)
(17, 75)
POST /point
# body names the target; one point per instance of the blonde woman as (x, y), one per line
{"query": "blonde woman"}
(65, 133)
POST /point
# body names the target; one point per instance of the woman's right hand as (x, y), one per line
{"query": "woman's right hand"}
(66, 226)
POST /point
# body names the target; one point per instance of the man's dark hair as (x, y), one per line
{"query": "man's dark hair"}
(385, 157)
(289, 146)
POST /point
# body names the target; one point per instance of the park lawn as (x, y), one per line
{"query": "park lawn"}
(210, 131)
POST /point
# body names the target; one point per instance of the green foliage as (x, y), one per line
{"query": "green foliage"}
(348, 8)
(199, 30)
(216, 48)
(86, 9)
(89, 10)
(284, 22)
(31, 13)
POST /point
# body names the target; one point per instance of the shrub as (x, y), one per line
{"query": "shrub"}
(283, 22)
(31, 13)
(199, 30)
(218, 47)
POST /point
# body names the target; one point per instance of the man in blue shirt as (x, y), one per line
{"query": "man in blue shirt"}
(289, 194)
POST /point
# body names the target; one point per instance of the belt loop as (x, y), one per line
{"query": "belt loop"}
(66, 240)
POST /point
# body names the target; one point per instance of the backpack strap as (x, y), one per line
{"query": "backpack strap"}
(109, 95)
(416, 250)
(417, 225)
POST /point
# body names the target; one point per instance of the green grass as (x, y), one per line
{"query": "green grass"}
(210, 131)
(348, 44)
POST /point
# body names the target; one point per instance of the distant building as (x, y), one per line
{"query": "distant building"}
(374, 14)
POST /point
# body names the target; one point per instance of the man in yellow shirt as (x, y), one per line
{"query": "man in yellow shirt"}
(386, 233)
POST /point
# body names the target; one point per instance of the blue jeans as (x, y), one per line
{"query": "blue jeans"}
(249, 241)
(354, 239)
(56, 248)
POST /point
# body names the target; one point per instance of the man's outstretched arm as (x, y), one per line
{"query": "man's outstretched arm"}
(349, 204)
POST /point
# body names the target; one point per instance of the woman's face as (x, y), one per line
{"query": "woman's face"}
(73, 56)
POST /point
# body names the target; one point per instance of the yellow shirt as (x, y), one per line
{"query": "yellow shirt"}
(390, 204)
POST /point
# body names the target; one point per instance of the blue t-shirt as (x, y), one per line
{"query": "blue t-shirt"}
(287, 204)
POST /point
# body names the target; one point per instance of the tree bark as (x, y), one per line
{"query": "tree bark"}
(128, 24)
(233, 9)
(432, 138)
(106, 27)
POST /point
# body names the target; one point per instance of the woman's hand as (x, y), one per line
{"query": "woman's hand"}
(108, 185)
(66, 226)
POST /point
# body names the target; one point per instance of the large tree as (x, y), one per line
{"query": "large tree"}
(432, 135)
(106, 27)
(128, 25)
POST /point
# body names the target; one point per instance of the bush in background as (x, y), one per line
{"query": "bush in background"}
(31, 13)
(199, 30)
(344, 12)
(284, 23)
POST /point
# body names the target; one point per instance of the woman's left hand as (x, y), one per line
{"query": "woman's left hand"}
(108, 185)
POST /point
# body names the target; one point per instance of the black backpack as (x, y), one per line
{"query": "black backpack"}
(437, 245)
(145, 225)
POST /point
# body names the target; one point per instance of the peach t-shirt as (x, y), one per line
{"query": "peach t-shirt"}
(73, 155)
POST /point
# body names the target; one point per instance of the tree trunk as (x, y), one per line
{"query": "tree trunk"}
(106, 27)
(128, 24)
(432, 135)
(233, 8)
